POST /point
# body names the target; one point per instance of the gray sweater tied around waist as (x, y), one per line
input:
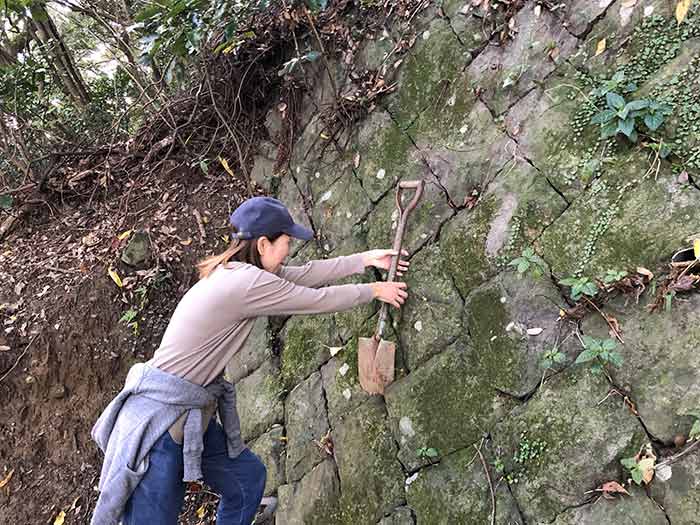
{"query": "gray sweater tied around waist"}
(148, 405)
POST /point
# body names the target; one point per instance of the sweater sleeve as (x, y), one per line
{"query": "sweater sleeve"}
(318, 273)
(268, 294)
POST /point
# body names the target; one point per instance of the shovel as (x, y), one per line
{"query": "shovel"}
(375, 357)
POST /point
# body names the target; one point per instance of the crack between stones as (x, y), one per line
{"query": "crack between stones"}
(593, 22)
(517, 505)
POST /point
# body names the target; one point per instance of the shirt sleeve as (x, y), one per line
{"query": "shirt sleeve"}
(269, 294)
(318, 273)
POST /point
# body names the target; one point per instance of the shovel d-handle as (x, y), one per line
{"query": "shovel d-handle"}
(416, 185)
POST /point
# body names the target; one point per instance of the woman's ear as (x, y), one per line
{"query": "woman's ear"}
(262, 243)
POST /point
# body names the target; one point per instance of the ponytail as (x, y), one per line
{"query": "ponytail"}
(208, 265)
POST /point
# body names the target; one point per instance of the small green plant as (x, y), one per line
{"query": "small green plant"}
(695, 429)
(529, 450)
(623, 117)
(552, 357)
(428, 453)
(634, 469)
(129, 320)
(499, 466)
(580, 286)
(529, 261)
(599, 353)
(617, 84)
(612, 276)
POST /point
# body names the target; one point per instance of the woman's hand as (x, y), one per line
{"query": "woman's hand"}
(393, 293)
(382, 259)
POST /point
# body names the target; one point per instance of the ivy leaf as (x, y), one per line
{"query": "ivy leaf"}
(614, 100)
(653, 120)
(626, 126)
(695, 430)
(603, 116)
(636, 105)
(609, 129)
(585, 356)
(6, 202)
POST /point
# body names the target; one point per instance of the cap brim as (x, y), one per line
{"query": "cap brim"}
(299, 232)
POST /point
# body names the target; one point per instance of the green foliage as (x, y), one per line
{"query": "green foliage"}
(529, 261)
(580, 286)
(6, 202)
(695, 429)
(529, 450)
(129, 319)
(624, 117)
(634, 469)
(612, 276)
(599, 353)
(428, 453)
(552, 357)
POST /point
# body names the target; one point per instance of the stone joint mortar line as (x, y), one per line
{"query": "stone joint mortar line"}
(593, 22)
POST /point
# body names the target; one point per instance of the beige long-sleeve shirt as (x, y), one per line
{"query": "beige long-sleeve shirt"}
(215, 317)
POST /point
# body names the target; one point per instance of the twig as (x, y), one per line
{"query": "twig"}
(678, 456)
(19, 358)
(488, 477)
(614, 330)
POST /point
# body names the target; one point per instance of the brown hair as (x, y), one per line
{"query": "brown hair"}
(241, 250)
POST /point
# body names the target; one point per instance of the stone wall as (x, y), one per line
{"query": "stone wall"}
(500, 131)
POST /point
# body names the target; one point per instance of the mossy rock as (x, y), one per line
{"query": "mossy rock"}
(341, 384)
(443, 404)
(563, 442)
(661, 366)
(400, 516)
(306, 340)
(257, 348)
(385, 155)
(271, 450)
(463, 246)
(436, 58)
(612, 224)
(312, 500)
(259, 400)
(339, 208)
(637, 508)
(370, 476)
(456, 491)
(524, 61)
(289, 194)
(431, 319)
(306, 422)
(499, 314)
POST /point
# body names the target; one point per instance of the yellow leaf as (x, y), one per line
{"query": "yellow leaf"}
(696, 248)
(600, 47)
(187, 241)
(124, 235)
(224, 163)
(201, 511)
(682, 8)
(646, 465)
(60, 518)
(324, 136)
(115, 277)
(7, 479)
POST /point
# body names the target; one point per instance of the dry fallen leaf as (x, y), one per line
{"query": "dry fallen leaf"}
(228, 169)
(682, 8)
(535, 331)
(115, 277)
(600, 47)
(647, 467)
(3, 348)
(356, 160)
(201, 511)
(612, 487)
(643, 271)
(696, 248)
(124, 235)
(60, 518)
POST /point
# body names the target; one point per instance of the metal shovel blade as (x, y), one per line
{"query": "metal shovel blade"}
(366, 353)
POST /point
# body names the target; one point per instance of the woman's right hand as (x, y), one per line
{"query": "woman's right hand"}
(393, 293)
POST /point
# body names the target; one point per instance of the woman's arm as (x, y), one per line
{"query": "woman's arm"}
(320, 272)
(267, 294)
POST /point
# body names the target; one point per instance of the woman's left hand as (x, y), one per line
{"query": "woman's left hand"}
(382, 259)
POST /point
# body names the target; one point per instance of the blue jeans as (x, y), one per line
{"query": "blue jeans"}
(158, 498)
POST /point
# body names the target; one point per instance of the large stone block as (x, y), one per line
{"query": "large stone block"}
(312, 500)
(259, 400)
(341, 385)
(306, 343)
(563, 442)
(372, 481)
(271, 450)
(443, 404)
(637, 508)
(661, 363)
(456, 491)
(256, 350)
(307, 424)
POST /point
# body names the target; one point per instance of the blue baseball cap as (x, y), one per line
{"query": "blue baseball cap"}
(263, 217)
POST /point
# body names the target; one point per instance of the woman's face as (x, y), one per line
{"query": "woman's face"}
(273, 254)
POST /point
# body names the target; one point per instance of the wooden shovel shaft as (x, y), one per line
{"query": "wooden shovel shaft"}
(416, 185)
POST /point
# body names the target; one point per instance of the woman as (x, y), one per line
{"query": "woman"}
(159, 431)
